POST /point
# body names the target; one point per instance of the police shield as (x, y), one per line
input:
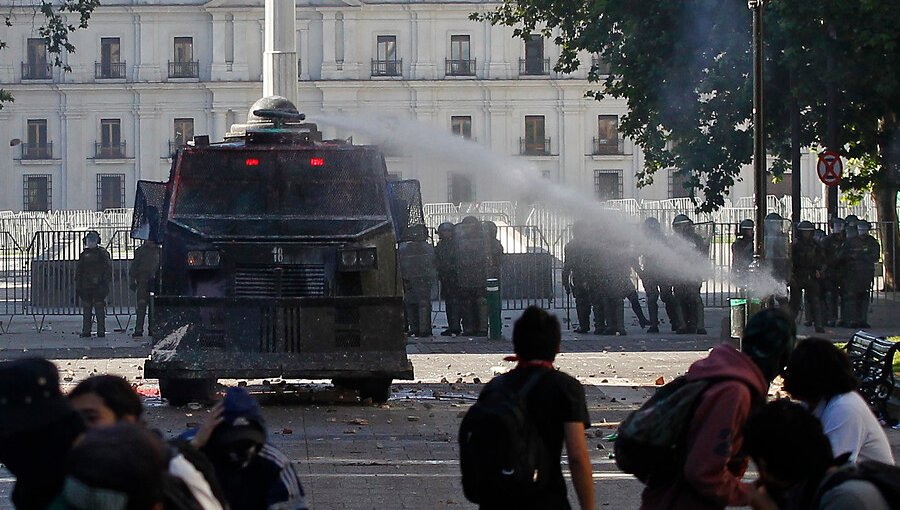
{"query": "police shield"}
(778, 247)
(472, 256)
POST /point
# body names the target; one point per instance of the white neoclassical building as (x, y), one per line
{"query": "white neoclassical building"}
(150, 74)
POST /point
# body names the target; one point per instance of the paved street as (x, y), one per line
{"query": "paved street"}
(402, 454)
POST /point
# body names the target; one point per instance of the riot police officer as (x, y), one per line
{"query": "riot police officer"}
(418, 273)
(472, 261)
(445, 259)
(862, 252)
(93, 275)
(614, 281)
(807, 259)
(656, 285)
(687, 289)
(852, 282)
(494, 250)
(141, 275)
(742, 252)
(579, 279)
(832, 275)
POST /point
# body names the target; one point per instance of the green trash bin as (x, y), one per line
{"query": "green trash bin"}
(741, 311)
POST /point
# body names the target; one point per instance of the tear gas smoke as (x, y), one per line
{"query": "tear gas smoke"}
(522, 182)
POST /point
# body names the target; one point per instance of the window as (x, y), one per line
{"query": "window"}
(37, 196)
(36, 145)
(678, 184)
(599, 65)
(534, 62)
(110, 65)
(607, 141)
(461, 126)
(608, 184)
(183, 132)
(386, 63)
(184, 65)
(111, 144)
(534, 143)
(460, 62)
(36, 66)
(110, 191)
(460, 188)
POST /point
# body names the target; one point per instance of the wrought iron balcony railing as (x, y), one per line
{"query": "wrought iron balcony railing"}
(109, 70)
(36, 71)
(186, 69)
(387, 67)
(456, 67)
(37, 150)
(603, 146)
(531, 147)
(534, 66)
(109, 150)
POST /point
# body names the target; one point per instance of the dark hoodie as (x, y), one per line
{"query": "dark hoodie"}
(714, 466)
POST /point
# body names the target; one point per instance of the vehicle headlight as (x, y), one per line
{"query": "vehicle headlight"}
(212, 258)
(194, 258)
(358, 259)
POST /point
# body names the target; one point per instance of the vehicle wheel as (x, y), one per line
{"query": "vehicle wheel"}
(378, 389)
(180, 392)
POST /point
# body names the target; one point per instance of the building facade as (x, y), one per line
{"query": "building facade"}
(148, 75)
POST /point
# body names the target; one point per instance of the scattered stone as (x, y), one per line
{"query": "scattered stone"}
(287, 431)
(242, 384)
(660, 381)
(444, 380)
(459, 381)
(351, 431)
(613, 399)
(412, 418)
(358, 421)
(476, 380)
(604, 381)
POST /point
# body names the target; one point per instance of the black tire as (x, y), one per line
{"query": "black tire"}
(376, 388)
(181, 392)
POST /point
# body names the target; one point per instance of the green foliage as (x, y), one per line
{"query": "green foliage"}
(55, 29)
(684, 68)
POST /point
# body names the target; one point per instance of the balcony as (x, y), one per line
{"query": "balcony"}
(531, 147)
(37, 150)
(109, 70)
(455, 67)
(601, 66)
(187, 69)
(299, 68)
(607, 147)
(109, 150)
(387, 67)
(534, 66)
(36, 71)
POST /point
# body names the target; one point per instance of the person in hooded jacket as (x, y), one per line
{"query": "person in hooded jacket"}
(253, 473)
(714, 464)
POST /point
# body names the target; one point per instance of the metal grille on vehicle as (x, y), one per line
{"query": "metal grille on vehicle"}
(295, 281)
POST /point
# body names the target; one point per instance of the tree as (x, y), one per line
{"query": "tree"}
(684, 68)
(55, 29)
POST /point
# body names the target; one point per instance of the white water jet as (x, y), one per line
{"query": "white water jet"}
(523, 182)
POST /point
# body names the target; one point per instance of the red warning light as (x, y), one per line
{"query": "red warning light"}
(316, 162)
(252, 162)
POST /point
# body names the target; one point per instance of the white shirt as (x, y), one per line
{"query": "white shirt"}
(852, 427)
(180, 467)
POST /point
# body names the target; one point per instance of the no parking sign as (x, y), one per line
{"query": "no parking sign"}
(830, 168)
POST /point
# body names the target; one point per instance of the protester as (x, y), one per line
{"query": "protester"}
(108, 400)
(820, 375)
(797, 469)
(713, 463)
(253, 473)
(556, 404)
(38, 427)
(115, 468)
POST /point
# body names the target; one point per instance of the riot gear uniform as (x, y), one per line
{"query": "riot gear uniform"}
(687, 291)
(860, 254)
(93, 275)
(472, 262)
(615, 272)
(445, 259)
(742, 252)
(807, 263)
(141, 275)
(494, 249)
(656, 285)
(831, 279)
(418, 273)
(580, 280)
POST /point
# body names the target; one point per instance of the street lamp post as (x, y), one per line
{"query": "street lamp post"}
(759, 155)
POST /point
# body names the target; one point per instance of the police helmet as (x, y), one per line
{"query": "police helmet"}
(469, 220)
(819, 235)
(490, 228)
(774, 217)
(92, 235)
(682, 219)
(805, 226)
(769, 339)
(445, 227)
(863, 227)
(746, 224)
(837, 224)
(652, 224)
(851, 218)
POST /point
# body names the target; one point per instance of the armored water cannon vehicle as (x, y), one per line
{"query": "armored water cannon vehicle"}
(279, 259)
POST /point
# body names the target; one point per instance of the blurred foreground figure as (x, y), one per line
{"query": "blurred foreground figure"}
(798, 471)
(37, 429)
(253, 473)
(115, 468)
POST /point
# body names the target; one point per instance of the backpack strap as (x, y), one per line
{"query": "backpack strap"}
(532, 381)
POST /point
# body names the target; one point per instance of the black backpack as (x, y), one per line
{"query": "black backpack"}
(501, 454)
(885, 477)
(650, 441)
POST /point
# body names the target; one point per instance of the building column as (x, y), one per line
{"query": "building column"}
(222, 46)
(422, 66)
(217, 127)
(148, 68)
(151, 148)
(303, 50)
(76, 183)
